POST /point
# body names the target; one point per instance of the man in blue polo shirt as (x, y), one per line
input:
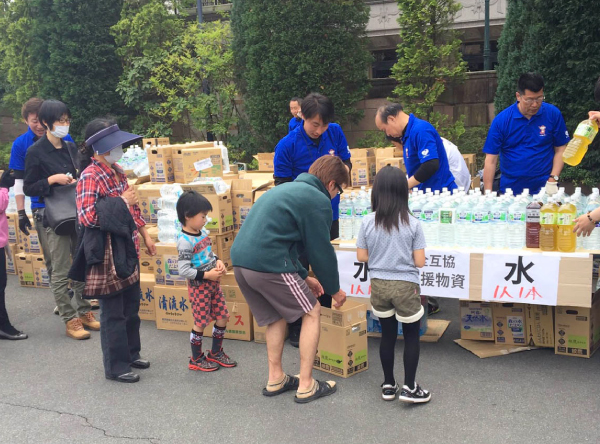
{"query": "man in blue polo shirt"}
(295, 153)
(296, 110)
(530, 137)
(424, 154)
(29, 112)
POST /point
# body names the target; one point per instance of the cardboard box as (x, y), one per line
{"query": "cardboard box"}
(161, 141)
(242, 198)
(222, 213)
(577, 330)
(10, 252)
(13, 228)
(177, 154)
(240, 325)
(167, 266)
(232, 293)
(147, 297)
(540, 325)
(25, 270)
(229, 279)
(221, 246)
(476, 321)
(161, 164)
(30, 244)
(260, 333)
(265, 161)
(393, 161)
(173, 308)
(384, 153)
(471, 161)
(148, 195)
(40, 272)
(349, 314)
(363, 166)
(510, 324)
(199, 162)
(342, 351)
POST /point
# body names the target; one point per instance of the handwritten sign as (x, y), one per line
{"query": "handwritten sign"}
(529, 278)
(446, 274)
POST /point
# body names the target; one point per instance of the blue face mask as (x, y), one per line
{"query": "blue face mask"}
(115, 155)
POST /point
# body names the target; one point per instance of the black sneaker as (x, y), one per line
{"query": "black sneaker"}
(433, 307)
(416, 396)
(389, 391)
(295, 335)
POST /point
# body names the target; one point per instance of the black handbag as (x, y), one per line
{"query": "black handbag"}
(61, 206)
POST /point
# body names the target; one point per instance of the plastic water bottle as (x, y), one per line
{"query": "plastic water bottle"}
(480, 224)
(499, 223)
(225, 157)
(361, 206)
(592, 242)
(417, 204)
(578, 145)
(447, 222)
(463, 226)
(548, 218)
(516, 232)
(430, 223)
(346, 219)
(12, 203)
(566, 240)
(168, 224)
(532, 223)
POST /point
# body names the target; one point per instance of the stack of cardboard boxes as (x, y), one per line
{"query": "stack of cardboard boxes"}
(363, 167)
(386, 156)
(24, 256)
(571, 331)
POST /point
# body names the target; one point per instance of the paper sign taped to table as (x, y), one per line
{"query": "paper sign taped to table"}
(446, 274)
(203, 164)
(529, 278)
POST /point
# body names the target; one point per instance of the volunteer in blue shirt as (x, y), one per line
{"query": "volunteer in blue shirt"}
(315, 137)
(296, 110)
(424, 154)
(295, 153)
(29, 112)
(530, 137)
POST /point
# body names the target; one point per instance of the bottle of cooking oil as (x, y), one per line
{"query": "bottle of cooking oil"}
(578, 146)
(548, 219)
(566, 240)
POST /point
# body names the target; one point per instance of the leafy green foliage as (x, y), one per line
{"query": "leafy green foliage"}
(555, 39)
(294, 47)
(428, 60)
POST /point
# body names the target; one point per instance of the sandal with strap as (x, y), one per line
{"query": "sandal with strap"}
(290, 383)
(323, 388)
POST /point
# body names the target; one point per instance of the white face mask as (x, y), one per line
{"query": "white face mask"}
(60, 131)
(115, 155)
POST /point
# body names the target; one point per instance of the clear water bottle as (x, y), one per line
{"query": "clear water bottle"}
(499, 223)
(346, 219)
(361, 207)
(416, 205)
(12, 203)
(517, 224)
(464, 213)
(430, 223)
(447, 222)
(480, 219)
(592, 242)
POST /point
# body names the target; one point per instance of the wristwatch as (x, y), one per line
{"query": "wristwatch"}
(555, 178)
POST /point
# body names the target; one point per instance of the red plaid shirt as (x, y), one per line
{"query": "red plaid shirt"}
(96, 181)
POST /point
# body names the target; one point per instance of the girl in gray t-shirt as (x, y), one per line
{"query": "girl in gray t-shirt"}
(391, 240)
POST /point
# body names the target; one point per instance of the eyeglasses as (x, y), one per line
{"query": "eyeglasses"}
(340, 190)
(530, 100)
(64, 120)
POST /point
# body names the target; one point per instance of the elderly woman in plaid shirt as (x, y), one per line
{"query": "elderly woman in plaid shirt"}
(119, 297)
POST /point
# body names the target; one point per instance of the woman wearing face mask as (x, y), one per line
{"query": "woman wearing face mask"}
(108, 211)
(52, 162)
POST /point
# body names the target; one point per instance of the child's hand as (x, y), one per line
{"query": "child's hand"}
(221, 267)
(212, 275)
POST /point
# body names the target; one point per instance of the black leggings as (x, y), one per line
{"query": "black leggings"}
(389, 333)
(4, 322)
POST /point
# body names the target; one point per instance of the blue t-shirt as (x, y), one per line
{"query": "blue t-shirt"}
(294, 123)
(526, 146)
(422, 143)
(296, 152)
(17, 157)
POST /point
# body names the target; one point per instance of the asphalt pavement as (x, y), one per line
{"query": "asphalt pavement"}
(53, 390)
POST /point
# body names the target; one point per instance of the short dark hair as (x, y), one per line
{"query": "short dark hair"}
(386, 111)
(51, 111)
(328, 168)
(32, 106)
(191, 203)
(597, 90)
(530, 80)
(315, 104)
(296, 99)
(389, 198)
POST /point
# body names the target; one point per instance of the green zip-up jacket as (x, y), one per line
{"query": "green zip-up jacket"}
(290, 216)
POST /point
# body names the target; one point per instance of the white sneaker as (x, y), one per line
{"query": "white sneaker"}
(416, 396)
(389, 391)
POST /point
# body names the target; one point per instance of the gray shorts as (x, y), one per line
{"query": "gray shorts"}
(272, 296)
(400, 298)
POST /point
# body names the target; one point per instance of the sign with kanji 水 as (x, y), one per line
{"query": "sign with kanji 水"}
(529, 278)
(446, 274)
